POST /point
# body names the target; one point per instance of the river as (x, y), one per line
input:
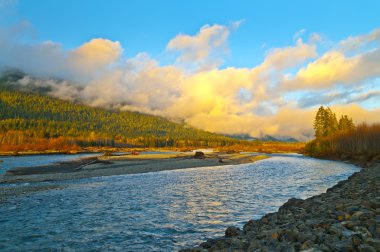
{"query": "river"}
(161, 211)
(10, 162)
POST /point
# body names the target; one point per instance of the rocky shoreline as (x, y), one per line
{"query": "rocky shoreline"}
(345, 218)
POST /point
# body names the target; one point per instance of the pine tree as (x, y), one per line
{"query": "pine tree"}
(345, 123)
(319, 122)
(325, 123)
(331, 123)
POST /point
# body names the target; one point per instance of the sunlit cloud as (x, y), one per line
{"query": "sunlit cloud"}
(360, 42)
(286, 57)
(206, 49)
(334, 68)
(94, 56)
(278, 97)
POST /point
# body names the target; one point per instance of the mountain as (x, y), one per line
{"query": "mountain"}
(242, 137)
(265, 138)
(28, 118)
(290, 140)
(268, 138)
(28, 114)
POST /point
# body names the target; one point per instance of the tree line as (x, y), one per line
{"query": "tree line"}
(337, 137)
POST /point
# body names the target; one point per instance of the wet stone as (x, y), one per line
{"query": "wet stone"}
(342, 246)
(232, 231)
(366, 248)
(375, 243)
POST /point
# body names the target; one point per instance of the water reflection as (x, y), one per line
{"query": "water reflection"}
(160, 211)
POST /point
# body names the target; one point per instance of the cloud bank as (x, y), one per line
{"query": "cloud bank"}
(278, 97)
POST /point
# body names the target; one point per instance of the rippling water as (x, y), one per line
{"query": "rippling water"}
(10, 162)
(160, 211)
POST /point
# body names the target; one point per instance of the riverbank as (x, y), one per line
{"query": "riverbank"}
(118, 165)
(345, 218)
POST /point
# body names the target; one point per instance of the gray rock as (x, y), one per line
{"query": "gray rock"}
(249, 226)
(343, 246)
(306, 245)
(366, 248)
(375, 243)
(350, 224)
(208, 244)
(374, 203)
(235, 243)
(353, 209)
(347, 233)
(330, 239)
(363, 231)
(254, 244)
(313, 250)
(323, 247)
(199, 154)
(301, 237)
(232, 231)
(356, 240)
(290, 235)
(336, 230)
(285, 247)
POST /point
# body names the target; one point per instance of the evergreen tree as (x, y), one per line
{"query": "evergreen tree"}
(319, 122)
(345, 123)
(325, 123)
(331, 123)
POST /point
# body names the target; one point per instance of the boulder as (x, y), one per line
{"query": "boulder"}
(199, 154)
(232, 231)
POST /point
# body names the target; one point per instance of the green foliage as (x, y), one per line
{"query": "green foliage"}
(345, 123)
(40, 116)
(343, 137)
(325, 123)
(363, 139)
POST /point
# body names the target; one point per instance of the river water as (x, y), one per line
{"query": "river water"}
(10, 162)
(161, 211)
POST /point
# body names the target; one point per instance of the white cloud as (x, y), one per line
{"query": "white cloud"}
(258, 100)
(94, 56)
(299, 34)
(334, 68)
(282, 58)
(205, 49)
(358, 42)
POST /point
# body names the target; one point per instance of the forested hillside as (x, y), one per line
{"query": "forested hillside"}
(32, 120)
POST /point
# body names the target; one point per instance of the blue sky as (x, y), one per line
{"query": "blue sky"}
(224, 66)
(148, 25)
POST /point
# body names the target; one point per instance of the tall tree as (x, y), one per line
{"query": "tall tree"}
(325, 122)
(331, 123)
(345, 123)
(319, 122)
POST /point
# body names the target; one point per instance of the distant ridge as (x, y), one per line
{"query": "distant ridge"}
(158, 132)
(29, 116)
(265, 138)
